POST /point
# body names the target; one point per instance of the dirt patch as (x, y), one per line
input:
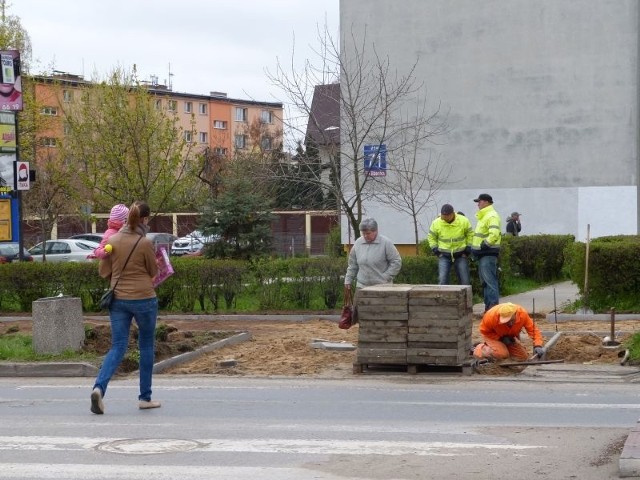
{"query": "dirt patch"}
(284, 347)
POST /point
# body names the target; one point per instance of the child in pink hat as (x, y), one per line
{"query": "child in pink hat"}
(117, 218)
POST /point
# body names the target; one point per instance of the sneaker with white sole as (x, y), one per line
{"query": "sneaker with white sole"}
(97, 406)
(147, 404)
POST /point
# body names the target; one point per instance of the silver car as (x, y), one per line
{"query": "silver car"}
(66, 250)
(191, 243)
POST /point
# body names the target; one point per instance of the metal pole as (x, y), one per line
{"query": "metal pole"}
(19, 195)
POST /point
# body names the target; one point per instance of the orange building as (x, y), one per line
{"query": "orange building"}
(224, 125)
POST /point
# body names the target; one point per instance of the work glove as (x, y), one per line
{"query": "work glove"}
(484, 245)
(467, 251)
(538, 351)
(435, 251)
(507, 340)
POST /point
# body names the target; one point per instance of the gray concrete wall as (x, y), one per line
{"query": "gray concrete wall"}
(542, 102)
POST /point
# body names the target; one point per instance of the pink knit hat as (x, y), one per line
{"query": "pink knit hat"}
(119, 213)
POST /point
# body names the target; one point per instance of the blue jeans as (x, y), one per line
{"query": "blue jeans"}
(121, 313)
(488, 271)
(461, 265)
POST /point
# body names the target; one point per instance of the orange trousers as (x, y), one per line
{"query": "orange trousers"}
(499, 351)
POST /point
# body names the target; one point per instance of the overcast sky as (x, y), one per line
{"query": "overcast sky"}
(207, 45)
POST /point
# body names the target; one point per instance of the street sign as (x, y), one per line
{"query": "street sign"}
(375, 160)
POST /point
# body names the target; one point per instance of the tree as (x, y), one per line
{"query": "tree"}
(52, 193)
(124, 148)
(373, 98)
(296, 189)
(240, 217)
(14, 36)
(412, 183)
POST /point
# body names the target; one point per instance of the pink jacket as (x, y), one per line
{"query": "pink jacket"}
(114, 227)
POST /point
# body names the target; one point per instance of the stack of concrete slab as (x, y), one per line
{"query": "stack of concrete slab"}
(440, 324)
(413, 325)
(383, 314)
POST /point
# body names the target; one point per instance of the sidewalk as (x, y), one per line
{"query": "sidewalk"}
(541, 301)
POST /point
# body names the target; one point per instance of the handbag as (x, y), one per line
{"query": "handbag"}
(346, 319)
(107, 297)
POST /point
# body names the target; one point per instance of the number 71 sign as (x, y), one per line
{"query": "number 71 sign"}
(375, 160)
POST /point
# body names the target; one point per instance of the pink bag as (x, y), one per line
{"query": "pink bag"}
(165, 269)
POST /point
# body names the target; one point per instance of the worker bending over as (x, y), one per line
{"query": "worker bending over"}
(500, 329)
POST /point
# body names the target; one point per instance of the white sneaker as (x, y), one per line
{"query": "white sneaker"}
(97, 406)
(146, 404)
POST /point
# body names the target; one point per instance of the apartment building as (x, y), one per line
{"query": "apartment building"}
(226, 126)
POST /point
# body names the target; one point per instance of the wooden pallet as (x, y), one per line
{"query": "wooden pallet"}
(411, 368)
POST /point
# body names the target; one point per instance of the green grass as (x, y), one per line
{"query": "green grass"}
(633, 344)
(19, 348)
(517, 285)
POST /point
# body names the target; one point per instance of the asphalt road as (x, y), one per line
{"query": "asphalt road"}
(372, 427)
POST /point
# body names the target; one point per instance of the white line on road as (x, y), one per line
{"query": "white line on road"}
(41, 471)
(287, 446)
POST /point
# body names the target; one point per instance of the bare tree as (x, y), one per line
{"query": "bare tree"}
(415, 176)
(372, 98)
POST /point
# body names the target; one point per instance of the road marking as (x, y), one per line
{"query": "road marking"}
(274, 445)
(48, 471)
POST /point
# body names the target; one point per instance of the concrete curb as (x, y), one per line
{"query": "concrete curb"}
(188, 356)
(629, 461)
(47, 369)
(63, 369)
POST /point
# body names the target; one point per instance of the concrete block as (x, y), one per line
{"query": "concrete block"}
(57, 324)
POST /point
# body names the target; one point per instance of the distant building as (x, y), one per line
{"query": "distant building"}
(541, 99)
(223, 125)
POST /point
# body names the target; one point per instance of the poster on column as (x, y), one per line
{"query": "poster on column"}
(10, 81)
(7, 174)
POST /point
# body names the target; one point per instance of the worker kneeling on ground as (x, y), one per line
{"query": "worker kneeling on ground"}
(500, 329)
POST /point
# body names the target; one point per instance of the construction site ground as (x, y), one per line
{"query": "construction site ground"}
(284, 348)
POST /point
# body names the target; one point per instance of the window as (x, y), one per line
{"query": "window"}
(266, 116)
(187, 136)
(220, 151)
(172, 106)
(66, 129)
(158, 104)
(49, 111)
(202, 108)
(67, 96)
(241, 141)
(241, 114)
(220, 124)
(188, 107)
(203, 137)
(266, 143)
(48, 142)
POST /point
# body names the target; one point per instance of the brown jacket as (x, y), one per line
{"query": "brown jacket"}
(135, 281)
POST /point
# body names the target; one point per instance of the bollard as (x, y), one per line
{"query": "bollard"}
(57, 324)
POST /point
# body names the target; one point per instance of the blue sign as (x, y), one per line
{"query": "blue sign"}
(375, 160)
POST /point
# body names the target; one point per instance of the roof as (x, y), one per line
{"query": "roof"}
(323, 126)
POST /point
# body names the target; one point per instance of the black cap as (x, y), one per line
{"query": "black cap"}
(484, 196)
(446, 209)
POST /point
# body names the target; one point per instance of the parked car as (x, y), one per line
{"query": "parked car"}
(162, 240)
(191, 243)
(65, 250)
(9, 253)
(93, 237)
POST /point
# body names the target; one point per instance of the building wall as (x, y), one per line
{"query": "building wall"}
(541, 100)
